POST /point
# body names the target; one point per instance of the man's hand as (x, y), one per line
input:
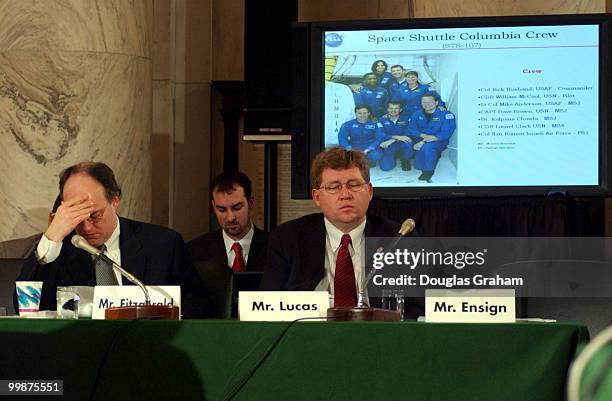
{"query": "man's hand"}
(403, 138)
(429, 138)
(418, 145)
(387, 143)
(69, 214)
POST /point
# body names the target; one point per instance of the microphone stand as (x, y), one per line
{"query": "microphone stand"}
(146, 311)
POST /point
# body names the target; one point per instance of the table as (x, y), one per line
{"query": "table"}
(204, 359)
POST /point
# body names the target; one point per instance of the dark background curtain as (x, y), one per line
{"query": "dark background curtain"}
(554, 216)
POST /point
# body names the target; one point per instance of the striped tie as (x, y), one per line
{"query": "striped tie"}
(345, 291)
(105, 274)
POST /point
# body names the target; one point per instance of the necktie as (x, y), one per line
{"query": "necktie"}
(238, 265)
(345, 292)
(104, 271)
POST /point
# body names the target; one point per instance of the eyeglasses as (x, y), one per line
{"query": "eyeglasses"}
(96, 216)
(353, 186)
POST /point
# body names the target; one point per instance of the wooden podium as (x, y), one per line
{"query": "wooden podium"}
(149, 312)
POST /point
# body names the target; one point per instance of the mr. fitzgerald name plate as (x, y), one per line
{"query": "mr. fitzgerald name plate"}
(281, 306)
(470, 306)
(108, 296)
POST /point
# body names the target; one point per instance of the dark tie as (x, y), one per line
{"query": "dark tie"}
(345, 292)
(105, 274)
(238, 265)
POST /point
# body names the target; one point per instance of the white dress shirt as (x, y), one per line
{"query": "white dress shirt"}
(333, 238)
(47, 250)
(245, 243)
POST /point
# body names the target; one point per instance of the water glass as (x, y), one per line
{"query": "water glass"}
(393, 299)
(67, 303)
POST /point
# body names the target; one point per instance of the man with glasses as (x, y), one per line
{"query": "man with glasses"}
(90, 198)
(326, 252)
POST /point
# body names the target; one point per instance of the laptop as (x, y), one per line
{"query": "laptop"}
(243, 281)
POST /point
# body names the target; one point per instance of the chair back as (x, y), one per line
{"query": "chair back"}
(9, 270)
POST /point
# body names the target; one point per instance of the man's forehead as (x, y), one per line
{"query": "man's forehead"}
(236, 194)
(335, 175)
(82, 184)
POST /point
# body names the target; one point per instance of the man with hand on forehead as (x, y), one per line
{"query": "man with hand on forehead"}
(90, 198)
(326, 251)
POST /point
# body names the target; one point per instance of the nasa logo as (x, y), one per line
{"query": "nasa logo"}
(332, 39)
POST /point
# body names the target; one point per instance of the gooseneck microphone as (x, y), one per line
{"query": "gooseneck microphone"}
(82, 243)
(406, 228)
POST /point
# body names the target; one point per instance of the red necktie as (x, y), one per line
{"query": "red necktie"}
(345, 292)
(238, 265)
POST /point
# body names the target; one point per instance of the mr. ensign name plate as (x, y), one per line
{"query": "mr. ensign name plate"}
(470, 306)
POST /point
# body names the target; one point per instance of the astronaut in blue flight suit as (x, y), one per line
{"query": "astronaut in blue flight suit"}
(362, 134)
(397, 141)
(410, 95)
(379, 67)
(397, 83)
(430, 129)
(372, 95)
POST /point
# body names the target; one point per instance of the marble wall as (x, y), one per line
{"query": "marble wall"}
(75, 84)
(181, 131)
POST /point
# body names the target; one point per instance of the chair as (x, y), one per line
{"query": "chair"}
(9, 270)
(19, 248)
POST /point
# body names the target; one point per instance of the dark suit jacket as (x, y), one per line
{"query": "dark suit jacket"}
(154, 254)
(296, 254)
(211, 248)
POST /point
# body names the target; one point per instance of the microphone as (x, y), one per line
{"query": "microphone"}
(82, 243)
(406, 228)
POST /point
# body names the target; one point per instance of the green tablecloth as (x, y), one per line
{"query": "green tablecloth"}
(203, 360)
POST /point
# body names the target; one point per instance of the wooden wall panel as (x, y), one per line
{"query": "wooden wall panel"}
(396, 9)
(474, 8)
(325, 10)
(228, 40)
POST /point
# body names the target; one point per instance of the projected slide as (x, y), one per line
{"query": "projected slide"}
(499, 106)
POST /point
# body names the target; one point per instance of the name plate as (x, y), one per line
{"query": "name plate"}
(108, 296)
(281, 306)
(470, 306)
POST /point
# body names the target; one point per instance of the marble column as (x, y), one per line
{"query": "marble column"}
(75, 84)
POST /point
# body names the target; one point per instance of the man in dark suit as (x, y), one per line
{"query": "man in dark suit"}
(154, 254)
(325, 252)
(238, 244)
